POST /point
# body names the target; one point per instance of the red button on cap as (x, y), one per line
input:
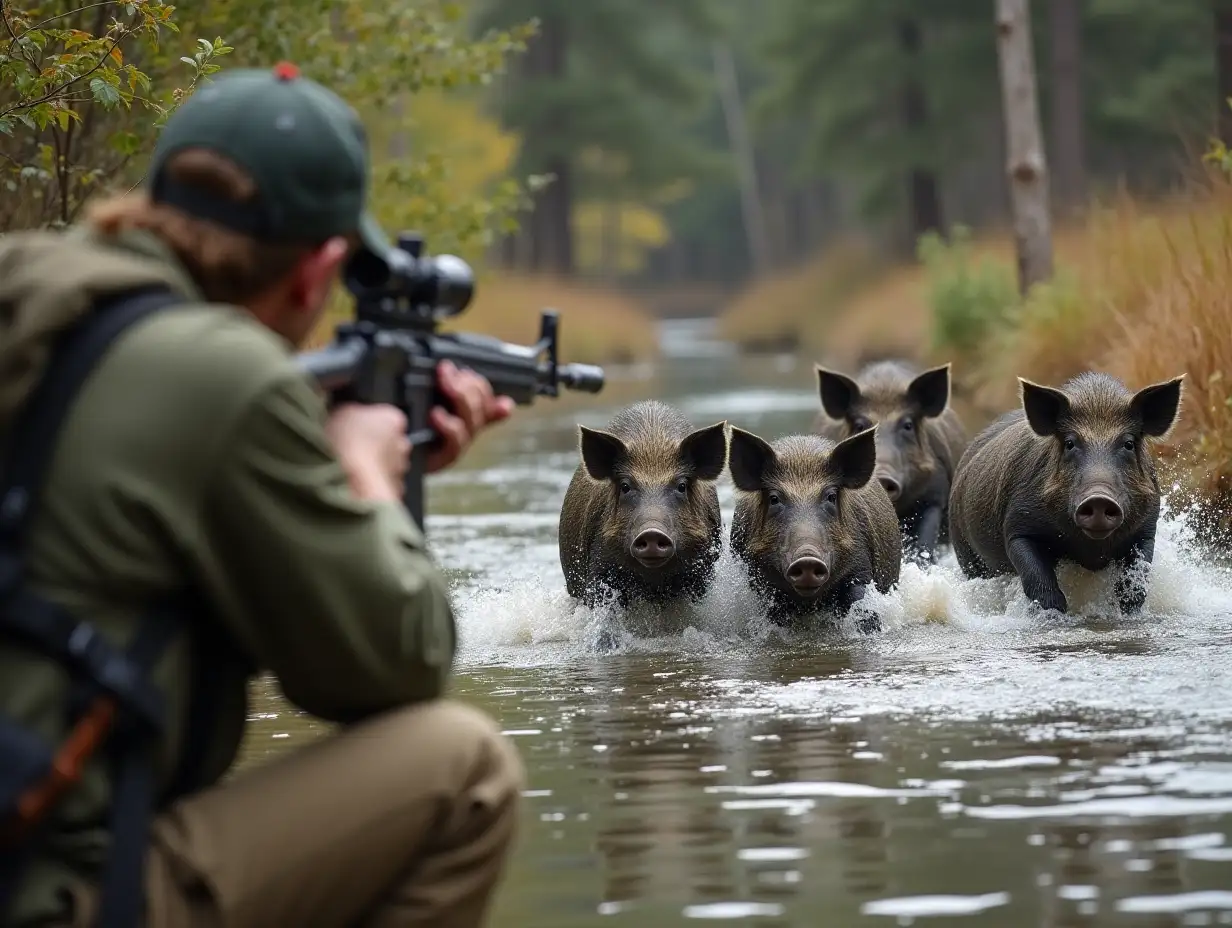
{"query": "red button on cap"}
(286, 71)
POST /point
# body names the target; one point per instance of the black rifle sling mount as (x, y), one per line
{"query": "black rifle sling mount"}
(113, 700)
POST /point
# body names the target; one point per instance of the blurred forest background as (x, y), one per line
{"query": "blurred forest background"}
(826, 177)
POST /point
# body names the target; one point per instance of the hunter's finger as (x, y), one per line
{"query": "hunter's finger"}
(500, 407)
(465, 389)
(454, 437)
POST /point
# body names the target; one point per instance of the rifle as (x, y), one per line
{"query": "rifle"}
(389, 353)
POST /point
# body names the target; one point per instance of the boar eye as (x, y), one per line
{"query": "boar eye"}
(1070, 444)
(831, 495)
(1130, 444)
(682, 486)
(860, 425)
(773, 498)
(625, 487)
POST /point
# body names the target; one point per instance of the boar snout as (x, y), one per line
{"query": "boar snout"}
(893, 487)
(653, 547)
(808, 572)
(1099, 515)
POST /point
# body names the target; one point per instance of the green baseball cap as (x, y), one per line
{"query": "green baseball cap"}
(303, 145)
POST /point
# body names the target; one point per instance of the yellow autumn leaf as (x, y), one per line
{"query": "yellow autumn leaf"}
(476, 151)
(640, 229)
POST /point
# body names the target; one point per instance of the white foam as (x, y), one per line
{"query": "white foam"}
(926, 906)
(520, 601)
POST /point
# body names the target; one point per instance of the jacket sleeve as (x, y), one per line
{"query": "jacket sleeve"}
(338, 597)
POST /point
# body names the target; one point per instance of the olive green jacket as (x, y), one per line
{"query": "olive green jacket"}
(197, 450)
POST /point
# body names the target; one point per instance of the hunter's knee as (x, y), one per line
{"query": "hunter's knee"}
(477, 773)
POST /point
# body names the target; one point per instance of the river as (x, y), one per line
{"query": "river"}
(973, 764)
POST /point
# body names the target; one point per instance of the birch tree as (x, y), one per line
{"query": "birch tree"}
(1026, 164)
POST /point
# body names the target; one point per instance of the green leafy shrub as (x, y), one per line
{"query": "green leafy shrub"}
(968, 300)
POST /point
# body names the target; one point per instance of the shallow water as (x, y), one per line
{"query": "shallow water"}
(973, 763)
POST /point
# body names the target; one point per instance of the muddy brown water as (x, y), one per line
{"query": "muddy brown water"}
(976, 763)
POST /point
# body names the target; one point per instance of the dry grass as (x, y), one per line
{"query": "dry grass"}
(846, 306)
(1150, 299)
(597, 326)
(786, 311)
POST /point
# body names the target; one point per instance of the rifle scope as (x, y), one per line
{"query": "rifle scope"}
(409, 287)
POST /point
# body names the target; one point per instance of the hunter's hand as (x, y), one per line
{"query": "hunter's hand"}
(372, 444)
(476, 407)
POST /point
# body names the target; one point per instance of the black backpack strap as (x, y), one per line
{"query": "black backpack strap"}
(118, 681)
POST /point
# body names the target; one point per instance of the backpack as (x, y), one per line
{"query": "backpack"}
(113, 706)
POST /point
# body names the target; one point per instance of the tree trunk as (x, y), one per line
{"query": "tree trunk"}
(816, 214)
(1223, 64)
(509, 252)
(1025, 164)
(557, 206)
(1068, 152)
(550, 224)
(609, 242)
(923, 188)
(742, 150)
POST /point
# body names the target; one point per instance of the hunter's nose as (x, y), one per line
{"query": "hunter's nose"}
(892, 487)
(653, 547)
(807, 575)
(1099, 515)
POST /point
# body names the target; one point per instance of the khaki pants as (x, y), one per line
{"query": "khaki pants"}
(405, 819)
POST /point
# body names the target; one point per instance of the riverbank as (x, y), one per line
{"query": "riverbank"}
(1141, 291)
(597, 326)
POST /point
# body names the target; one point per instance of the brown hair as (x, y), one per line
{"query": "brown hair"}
(228, 266)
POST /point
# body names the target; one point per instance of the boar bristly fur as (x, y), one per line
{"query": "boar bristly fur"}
(1069, 476)
(641, 515)
(919, 439)
(810, 523)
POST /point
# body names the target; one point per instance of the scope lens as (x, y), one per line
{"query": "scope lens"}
(367, 269)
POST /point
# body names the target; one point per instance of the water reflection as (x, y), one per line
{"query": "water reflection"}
(973, 765)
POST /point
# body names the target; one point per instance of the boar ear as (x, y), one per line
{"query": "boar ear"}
(1044, 406)
(1156, 406)
(601, 452)
(853, 459)
(930, 391)
(839, 393)
(750, 461)
(705, 451)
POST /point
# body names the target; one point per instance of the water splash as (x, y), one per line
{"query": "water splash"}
(498, 611)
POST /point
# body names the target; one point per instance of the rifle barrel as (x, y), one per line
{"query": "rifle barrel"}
(585, 377)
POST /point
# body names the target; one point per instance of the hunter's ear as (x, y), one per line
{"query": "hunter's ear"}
(839, 393)
(1157, 406)
(601, 452)
(930, 391)
(704, 452)
(750, 461)
(1045, 407)
(853, 459)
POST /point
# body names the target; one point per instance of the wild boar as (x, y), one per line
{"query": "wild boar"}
(919, 439)
(810, 523)
(1069, 476)
(641, 515)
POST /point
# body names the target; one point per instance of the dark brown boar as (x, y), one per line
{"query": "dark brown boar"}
(919, 439)
(811, 524)
(641, 515)
(1069, 476)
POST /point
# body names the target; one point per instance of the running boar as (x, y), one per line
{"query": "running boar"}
(641, 515)
(1069, 476)
(919, 440)
(812, 525)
